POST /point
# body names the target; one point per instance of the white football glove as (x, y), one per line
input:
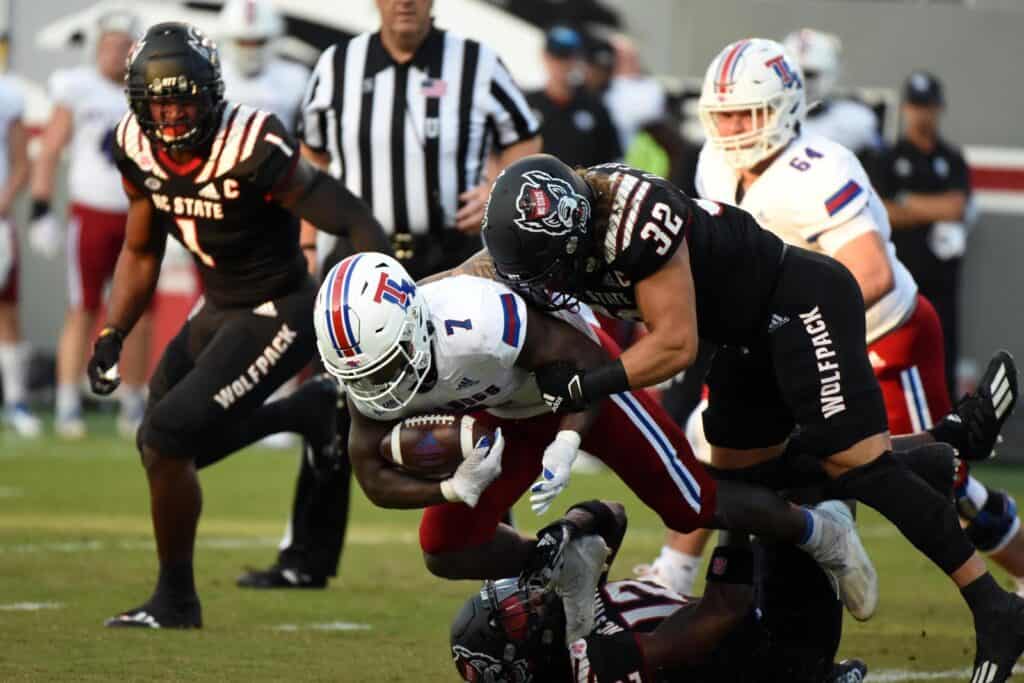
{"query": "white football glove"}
(481, 467)
(557, 464)
(44, 236)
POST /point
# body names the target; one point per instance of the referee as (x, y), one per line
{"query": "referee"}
(416, 121)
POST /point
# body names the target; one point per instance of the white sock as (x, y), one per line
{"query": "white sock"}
(678, 569)
(131, 399)
(14, 369)
(976, 493)
(69, 402)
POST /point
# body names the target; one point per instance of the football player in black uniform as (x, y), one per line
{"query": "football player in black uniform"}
(786, 629)
(228, 183)
(790, 329)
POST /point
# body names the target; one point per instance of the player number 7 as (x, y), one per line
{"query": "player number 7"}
(191, 239)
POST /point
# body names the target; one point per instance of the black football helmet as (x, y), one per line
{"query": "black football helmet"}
(538, 229)
(510, 634)
(175, 62)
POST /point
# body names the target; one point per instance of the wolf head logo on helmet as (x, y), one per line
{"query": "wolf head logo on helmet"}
(549, 204)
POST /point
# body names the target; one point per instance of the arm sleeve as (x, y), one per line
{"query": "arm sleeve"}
(833, 240)
(318, 99)
(507, 108)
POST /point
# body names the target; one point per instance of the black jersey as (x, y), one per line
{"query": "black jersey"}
(218, 206)
(734, 261)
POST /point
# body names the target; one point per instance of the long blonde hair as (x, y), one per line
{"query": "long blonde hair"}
(604, 193)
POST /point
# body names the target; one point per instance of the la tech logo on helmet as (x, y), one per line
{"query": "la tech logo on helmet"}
(782, 69)
(399, 294)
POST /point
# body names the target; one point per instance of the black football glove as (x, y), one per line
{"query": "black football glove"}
(547, 557)
(102, 368)
(974, 425)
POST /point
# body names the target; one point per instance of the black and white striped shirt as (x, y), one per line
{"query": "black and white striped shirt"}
(409, 138)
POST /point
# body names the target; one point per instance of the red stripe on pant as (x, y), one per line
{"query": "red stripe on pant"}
(916, 343)
(615, 439)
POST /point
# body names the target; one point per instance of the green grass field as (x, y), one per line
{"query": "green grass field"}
(75, 536)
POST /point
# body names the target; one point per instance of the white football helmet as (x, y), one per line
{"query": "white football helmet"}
(247, 29)
(756, 76)
(372, 330)
(817, 53)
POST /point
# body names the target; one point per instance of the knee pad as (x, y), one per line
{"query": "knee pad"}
(936, 463)
(995, 524)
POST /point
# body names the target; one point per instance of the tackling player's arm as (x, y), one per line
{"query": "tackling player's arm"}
(479, 264)
(384, 484)
(551, 340)
(667, 303)
(138, 264)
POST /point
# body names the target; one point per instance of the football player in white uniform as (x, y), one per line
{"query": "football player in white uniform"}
(852, 124)
(88, 103)
(814, 193)
(14, 353)
(252, 74)
(469, 345)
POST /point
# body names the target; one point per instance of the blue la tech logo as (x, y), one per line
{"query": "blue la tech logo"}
(783, 70)
(397, 293)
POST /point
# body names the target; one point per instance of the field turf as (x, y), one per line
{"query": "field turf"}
(76, 547)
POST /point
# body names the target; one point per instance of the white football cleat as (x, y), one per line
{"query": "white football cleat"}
(70, 427)
(19, 418)
(584, 561)
(842, 555)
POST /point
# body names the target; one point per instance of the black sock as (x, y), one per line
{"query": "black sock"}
(982, 593)
(176, 583)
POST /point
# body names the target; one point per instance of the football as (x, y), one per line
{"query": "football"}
(432, 446)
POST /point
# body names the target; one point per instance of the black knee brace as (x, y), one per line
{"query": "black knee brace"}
(926, 518)
(935, 463)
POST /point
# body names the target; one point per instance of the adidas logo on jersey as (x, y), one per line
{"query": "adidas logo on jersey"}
(267, 309)
(776, 322)
(209, 192)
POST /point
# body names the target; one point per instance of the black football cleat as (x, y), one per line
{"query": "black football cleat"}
(848, 671)
(280, 577)
(157, 615)
(1000, 641)
(974, 425)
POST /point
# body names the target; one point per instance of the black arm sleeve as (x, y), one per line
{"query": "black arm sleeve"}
(330, 206)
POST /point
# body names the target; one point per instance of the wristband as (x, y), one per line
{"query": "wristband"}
(731, 565)
(605, 380)
(448, 491)
(40, 207)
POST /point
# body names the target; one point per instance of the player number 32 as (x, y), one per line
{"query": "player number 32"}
(663, 229)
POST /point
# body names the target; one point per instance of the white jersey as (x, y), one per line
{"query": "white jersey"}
(479, 331)
(816, 195)
(96, 105)
(278, 88)
(12, 108)
(852, 124)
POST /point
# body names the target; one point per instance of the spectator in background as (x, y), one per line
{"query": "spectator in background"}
(638, 105)
(418, 166)
(88, 103)
(252, 74)
(849, 122)
(14, 353)
(575, 125)
(925, 184)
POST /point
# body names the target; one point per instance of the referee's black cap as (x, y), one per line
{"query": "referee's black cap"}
(563, 41)
(924, 89)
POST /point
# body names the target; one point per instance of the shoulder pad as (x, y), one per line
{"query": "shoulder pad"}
(247, 136)
(477, 317)
(132, 147)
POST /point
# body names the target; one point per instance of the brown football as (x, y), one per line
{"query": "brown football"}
(432, 446)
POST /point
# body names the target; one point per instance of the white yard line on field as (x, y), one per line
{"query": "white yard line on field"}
(30, 606)
(328, 626)
(899, 675)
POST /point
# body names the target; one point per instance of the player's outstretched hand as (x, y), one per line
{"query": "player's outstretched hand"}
(481, 467)
(557, 467)
(102, 368)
